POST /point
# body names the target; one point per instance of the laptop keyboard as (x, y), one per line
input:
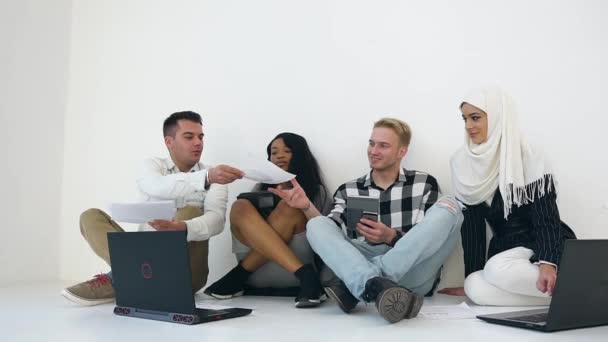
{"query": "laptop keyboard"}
(536, 318)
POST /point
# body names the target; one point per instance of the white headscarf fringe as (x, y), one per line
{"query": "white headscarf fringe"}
(527, 194)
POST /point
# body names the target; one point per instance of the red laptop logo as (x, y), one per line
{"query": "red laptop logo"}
(146, 270)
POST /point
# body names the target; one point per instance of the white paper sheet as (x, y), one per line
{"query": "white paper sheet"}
(444, 312)
(142, 212)
(265, 172)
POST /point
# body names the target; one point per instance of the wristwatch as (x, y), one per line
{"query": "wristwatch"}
(398, 236)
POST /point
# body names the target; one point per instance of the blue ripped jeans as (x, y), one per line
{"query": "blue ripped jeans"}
(413, 262)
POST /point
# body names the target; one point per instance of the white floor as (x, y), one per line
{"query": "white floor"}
(38, 313)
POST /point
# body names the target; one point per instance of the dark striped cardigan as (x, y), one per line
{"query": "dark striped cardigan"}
(536, 226)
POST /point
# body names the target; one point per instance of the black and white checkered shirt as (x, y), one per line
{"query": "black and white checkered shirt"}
(402, 205)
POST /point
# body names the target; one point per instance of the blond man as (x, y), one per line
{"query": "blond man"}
(393, 259)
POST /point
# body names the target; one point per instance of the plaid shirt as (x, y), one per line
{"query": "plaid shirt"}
(402, 205)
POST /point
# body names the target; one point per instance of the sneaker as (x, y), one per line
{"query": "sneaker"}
(229, 286)
(337, 290)
(91, 292)
(393, 302)
(310, 288)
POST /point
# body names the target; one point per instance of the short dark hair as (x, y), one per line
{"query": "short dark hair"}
(170, 124)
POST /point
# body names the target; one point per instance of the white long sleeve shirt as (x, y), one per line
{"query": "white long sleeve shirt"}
(160, 179)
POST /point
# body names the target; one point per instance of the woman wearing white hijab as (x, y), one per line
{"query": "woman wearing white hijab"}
(503, 181)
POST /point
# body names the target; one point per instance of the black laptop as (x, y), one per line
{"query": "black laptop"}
(152, 279)
(580, 298)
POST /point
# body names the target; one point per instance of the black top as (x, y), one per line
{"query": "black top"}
(536, 226)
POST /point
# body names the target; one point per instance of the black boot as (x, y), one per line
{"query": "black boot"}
(393, 302)
(337, 290)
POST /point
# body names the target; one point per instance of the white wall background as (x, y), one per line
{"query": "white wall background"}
(34, 39)
(326, 70)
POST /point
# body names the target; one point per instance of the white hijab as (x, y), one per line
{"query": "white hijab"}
(504, 161)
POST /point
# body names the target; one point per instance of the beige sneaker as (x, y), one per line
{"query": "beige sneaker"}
(91, 292)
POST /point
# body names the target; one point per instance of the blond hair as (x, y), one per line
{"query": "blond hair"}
(401, 128)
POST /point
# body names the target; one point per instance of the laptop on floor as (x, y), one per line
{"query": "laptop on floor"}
(580, 298)
(152, 279)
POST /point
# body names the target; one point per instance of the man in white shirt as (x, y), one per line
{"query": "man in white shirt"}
(200, 195)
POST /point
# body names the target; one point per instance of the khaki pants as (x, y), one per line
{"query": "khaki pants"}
(95, 225)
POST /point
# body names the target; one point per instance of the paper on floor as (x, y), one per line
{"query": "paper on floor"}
(443, 312)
